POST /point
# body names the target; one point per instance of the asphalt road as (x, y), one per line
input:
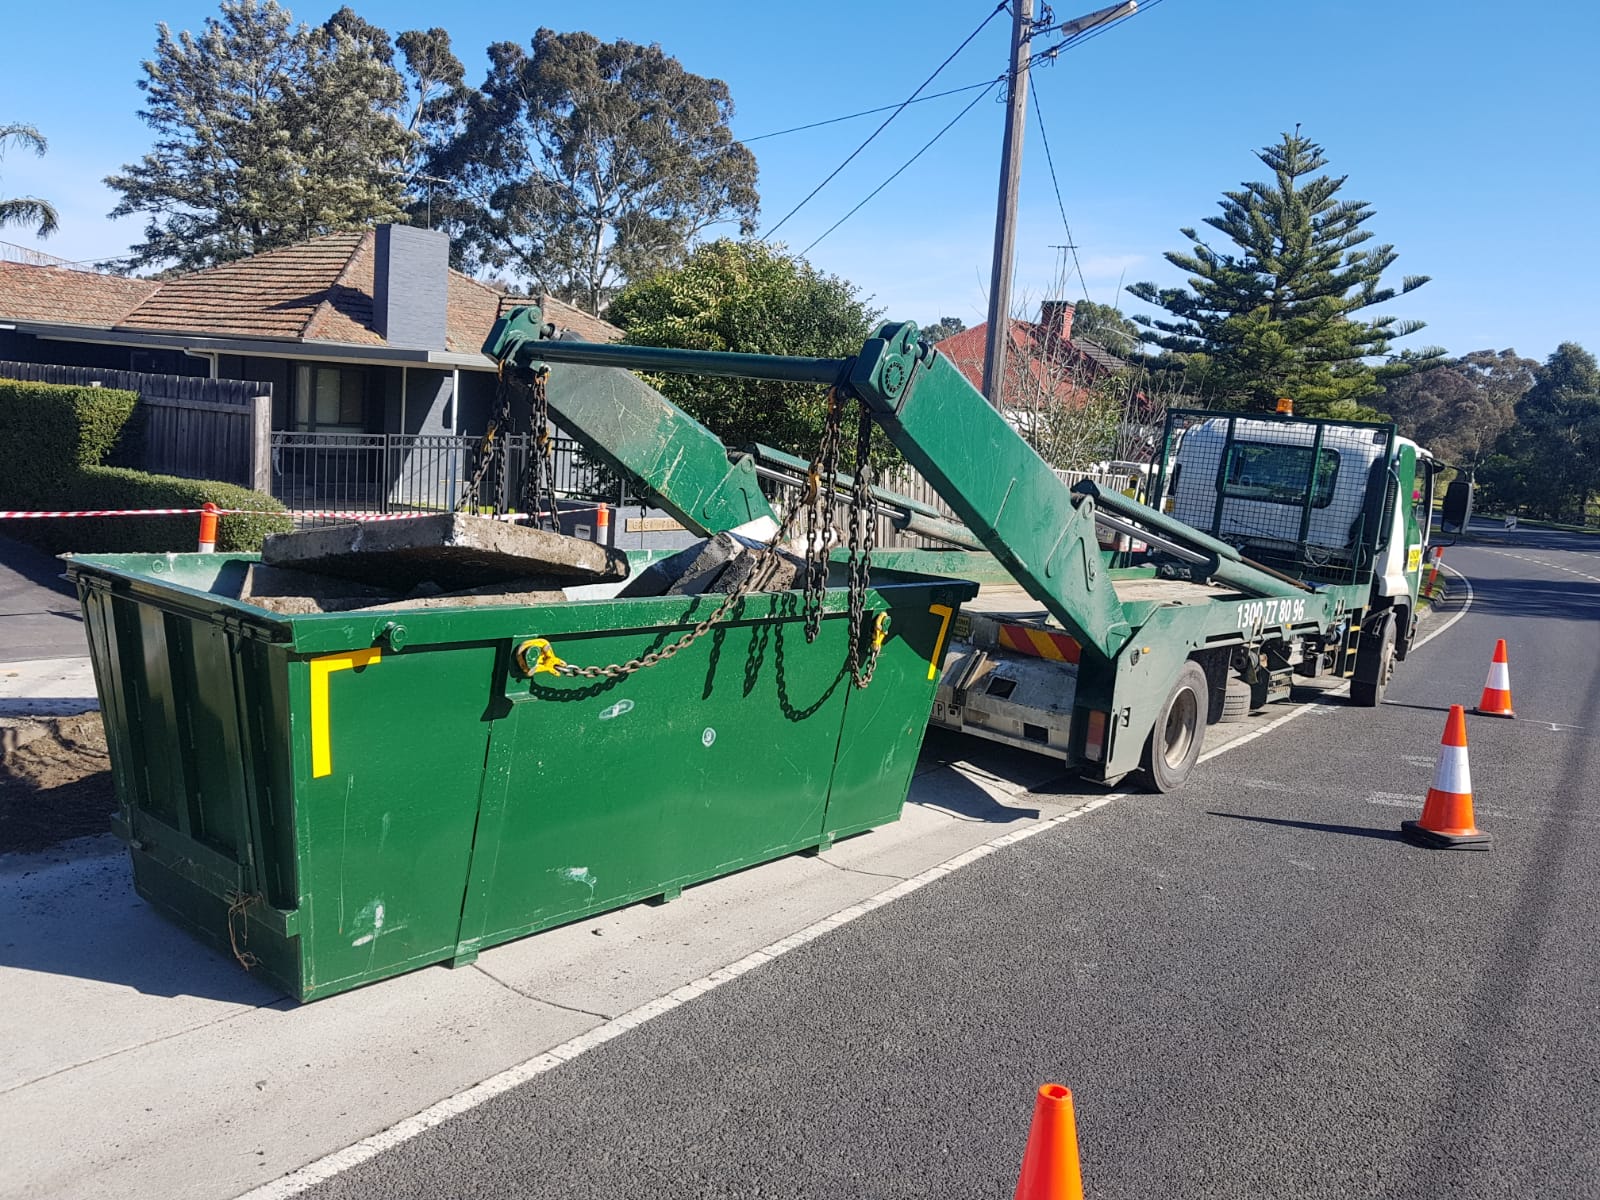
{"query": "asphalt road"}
(39, 615)
(1253, 988)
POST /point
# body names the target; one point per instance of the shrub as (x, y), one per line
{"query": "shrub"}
(52, 440)
(50, 431)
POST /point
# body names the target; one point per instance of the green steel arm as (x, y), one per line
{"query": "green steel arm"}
(634, 429)
(987, 473)
(995, 482)
(1229, 565)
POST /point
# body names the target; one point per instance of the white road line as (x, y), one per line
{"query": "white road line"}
(1420, 642)
(325, 1168)
(1539, 562)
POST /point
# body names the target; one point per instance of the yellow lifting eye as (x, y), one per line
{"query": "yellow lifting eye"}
(545, 664)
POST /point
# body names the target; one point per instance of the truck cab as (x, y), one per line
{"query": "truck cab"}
(1362, 511)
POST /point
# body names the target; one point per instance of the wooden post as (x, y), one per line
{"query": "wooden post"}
(261, 444)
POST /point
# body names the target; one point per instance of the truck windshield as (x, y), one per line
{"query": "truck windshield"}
(1279, 474)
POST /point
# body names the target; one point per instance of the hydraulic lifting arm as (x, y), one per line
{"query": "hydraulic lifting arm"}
(994, 481)
(632, 428)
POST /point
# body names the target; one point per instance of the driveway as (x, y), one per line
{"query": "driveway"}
(38, 609)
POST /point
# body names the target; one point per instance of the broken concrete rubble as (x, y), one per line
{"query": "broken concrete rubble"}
(455, 551)
(298, 593)
(720, 564)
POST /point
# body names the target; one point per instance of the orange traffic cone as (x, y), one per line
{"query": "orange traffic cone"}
(1496, 700)
(1447, 822)
(1050, 1163)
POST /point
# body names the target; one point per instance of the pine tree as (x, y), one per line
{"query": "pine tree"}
(26, 210)
(1279, 315)
(268, 133)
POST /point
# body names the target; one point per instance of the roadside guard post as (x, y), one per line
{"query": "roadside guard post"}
(208, 528)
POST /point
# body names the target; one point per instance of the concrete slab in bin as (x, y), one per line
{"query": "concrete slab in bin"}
(453, 550)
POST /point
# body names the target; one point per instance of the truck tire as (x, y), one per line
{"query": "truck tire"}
(1374, 663)
(1174, 742)
(1236, 701)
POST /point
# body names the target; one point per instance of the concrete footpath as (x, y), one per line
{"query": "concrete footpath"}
(136, 1062)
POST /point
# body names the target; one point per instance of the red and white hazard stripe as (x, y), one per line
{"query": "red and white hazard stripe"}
(1451, 774)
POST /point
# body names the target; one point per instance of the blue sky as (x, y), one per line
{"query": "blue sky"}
(1471, 128)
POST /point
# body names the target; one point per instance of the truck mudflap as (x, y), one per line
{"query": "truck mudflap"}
(1016, 699)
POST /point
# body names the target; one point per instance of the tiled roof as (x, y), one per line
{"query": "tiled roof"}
(276, 294)
(968, 350)
(66, 296)
(314, 291)
(567, 316)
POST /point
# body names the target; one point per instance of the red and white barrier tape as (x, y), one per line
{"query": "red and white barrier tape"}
(221, 512)
(334, 514)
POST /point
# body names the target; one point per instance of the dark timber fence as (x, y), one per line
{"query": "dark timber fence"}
(197, 428)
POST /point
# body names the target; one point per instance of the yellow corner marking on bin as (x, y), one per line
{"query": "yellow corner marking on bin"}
(945, 612)
(321, 667)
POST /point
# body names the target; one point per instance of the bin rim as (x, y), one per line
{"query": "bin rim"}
(321, 633)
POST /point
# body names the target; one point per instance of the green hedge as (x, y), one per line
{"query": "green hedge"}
(53, 439)
(48, 432)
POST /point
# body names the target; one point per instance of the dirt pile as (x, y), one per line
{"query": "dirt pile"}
(55, 781)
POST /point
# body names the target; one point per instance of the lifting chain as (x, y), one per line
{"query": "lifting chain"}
(490, 457)
(818, 505)
(548, 663)
(863, 524)
(492, 460)
(539, 484)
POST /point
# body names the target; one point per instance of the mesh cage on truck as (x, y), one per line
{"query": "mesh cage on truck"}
(1291, 493)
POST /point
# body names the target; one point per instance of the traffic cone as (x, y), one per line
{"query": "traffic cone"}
(1447, 822)
(1050, 1163)
(1496, 700)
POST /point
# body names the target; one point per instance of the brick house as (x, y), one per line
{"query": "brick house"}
(1044, 363)
(368, 343)
(356, 332)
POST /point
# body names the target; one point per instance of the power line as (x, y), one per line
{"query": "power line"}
(925, 147)
(1038, 114)
(898, 110)
(1078, 39)
(867, 112)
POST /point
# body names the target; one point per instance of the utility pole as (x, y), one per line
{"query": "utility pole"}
(1005, 220)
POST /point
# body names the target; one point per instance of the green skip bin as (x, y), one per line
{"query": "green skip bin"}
(338, 797)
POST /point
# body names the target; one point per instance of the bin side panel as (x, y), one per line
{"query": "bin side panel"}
(884, 723)
(148, 676)
(708, 762)
(265, 733)
(385, 832)
(100, 625)
(208, 722)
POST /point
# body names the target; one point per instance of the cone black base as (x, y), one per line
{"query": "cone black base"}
(1509, 716)
(1413, 832)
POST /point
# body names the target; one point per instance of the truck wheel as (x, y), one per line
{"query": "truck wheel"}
(1236, 701)
(1374, 663)
(1174, 742)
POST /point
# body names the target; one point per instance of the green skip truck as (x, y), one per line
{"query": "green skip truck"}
(1273, 546)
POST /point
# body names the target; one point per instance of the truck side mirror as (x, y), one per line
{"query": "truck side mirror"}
(1457, 506)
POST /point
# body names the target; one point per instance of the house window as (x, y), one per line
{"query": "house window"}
(330, 398)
